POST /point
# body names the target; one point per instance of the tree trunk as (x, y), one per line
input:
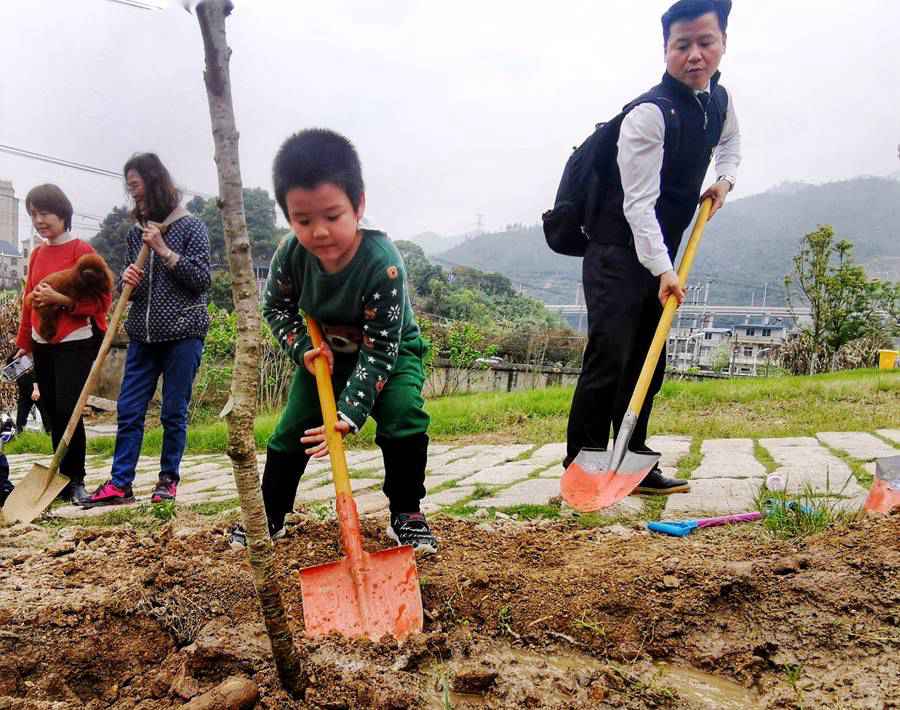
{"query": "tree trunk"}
(245, 378)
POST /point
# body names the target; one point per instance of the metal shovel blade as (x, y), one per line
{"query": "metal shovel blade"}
(387, 599)
(33, 494)
(592, 481)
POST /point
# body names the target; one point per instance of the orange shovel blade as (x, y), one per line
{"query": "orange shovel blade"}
(386, 599)
(883, 497)
(589, 484)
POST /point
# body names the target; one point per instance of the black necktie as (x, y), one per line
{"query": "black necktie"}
(703, 98)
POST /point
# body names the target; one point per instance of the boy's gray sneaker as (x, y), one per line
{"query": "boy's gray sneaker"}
(412, 529)
(237, 538)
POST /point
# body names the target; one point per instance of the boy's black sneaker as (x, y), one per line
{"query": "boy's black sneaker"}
(655, 484)
(237, 538)
(412, 529)
(4, 494)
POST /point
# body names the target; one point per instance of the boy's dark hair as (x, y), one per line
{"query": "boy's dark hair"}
(160, 194)
(691, 10)
(315, 156)
(49, 198)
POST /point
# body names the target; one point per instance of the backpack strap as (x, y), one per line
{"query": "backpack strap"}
(670, 117)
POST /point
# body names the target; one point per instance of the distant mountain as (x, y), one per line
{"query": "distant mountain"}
(750, 243)
(434, 243)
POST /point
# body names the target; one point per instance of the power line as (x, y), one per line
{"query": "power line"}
(84, 167)
(139, 4)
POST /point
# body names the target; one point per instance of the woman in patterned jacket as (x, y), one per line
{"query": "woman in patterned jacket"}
(166, 325)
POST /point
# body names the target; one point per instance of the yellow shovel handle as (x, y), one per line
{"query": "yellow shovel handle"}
(665, 322)
(329, 414)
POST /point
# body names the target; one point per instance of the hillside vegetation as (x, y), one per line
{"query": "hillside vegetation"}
(749, 243)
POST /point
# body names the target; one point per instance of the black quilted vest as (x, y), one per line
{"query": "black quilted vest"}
(685, 161)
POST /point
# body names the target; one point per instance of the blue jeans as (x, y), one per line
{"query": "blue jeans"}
(177, 361)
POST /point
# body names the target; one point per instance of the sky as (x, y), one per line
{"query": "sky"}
(457, 109)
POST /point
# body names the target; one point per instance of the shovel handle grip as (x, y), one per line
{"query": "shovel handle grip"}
(665, 321)
(329, 414)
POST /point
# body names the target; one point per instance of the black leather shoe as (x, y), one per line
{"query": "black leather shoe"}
(656, 484)
(79, 494)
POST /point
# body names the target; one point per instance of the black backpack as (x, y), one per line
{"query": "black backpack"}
(588, 171)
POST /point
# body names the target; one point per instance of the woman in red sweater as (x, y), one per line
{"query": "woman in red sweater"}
(61, 365)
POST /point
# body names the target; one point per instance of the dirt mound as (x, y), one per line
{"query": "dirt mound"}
(517, 616)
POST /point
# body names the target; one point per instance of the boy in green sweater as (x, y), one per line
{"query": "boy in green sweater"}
(352, 281)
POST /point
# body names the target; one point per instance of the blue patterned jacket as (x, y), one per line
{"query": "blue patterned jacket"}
(171, 304)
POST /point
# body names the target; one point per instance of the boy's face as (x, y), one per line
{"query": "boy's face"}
(694, 50)
(325, 223)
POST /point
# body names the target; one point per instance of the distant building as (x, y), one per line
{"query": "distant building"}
(738, 349)
(11, 267)
(9, 213)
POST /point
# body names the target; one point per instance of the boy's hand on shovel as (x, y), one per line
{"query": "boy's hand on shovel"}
(669, 285)
(309, 358)
(317, 436)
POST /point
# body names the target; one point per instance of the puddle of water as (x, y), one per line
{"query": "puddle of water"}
(705, 689)
(523, 669)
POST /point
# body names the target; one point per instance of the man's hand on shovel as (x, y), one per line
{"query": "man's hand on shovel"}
(669, 285)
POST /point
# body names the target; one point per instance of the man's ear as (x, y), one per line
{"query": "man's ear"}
(361, 210)
(724, 42)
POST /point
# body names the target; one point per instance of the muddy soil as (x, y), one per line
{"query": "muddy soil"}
(518, 615)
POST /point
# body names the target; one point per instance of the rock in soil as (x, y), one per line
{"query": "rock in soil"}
(233, 693)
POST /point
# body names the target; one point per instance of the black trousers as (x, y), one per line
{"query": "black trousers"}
(623, 312)
(24, 403)
(61, 371)
(405, 460)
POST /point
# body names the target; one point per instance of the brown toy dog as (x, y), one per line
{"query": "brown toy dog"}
(90, 277)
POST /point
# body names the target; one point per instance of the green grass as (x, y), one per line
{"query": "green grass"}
(533, 512)
(763, 456)
(858, 400)
(793, 517)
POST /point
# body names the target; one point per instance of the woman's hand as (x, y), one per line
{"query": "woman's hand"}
(35, 393)
(316, 437)
(153, 238)
(132, 275)
(310, 356)
(45, 295)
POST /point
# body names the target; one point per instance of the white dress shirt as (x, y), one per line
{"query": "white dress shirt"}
(640, 159)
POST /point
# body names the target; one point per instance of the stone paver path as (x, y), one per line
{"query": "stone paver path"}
(859, 445)
(727, 479)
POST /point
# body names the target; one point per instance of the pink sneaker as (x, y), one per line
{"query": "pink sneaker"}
(109, 494)
(165, 489)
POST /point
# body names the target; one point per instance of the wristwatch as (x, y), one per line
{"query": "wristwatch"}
(729, 179)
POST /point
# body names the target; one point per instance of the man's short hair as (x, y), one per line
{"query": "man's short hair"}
(50, 198)
(315, 156)
(691, 10)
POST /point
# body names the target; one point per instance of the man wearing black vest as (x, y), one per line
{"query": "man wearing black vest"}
(638, 223)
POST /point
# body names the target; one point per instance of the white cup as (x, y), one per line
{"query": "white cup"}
(775, 482)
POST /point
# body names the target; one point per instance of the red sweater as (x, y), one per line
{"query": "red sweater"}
(46, 260)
